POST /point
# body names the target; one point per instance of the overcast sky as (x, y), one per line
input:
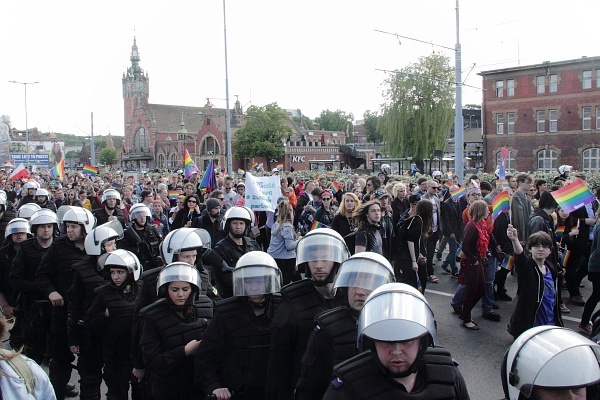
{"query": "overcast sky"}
(312, 54)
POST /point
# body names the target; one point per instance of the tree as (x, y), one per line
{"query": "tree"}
(261, 135)
(371, 128)
(335, 121)
(108, 156)
(418, 109)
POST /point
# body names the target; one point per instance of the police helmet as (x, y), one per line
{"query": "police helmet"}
(323, 244)
(80, 216)
(366, 270)
(182, 239)
(139, 210)
(256, 273)
(205, 237)
(43, 217)
(177, 272)
(26, 210)
(31, 185)
(564, 168)
(94, 241)
(42, 192)
(436, 173)
(549, 357)
(17, 225)
(122, 259)
(3, 199)
(385, 168)
(238, 213)
(111, 194)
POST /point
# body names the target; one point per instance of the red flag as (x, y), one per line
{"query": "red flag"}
(19, 173)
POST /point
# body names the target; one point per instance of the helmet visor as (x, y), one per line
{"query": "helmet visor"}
(321, 248)
(256, 280)
(363, 274)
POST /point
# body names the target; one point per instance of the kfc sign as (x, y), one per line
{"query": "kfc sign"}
(297, 158)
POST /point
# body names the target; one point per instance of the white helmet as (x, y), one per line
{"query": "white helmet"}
(385, 168)
(182, 239)
(177, 272)
(41, 192)
(31, 185)
(238, 212)
(3, 198)
(205, 237)
(322, 244)
(139, 210)
(17, 225)
(436, 173)
(81, 216)
(256, 273)
(27, 210)
(94, 241)
(540, 357)
(564, 168)
(111, 194)
(123, 259)
(43, 217)
(366, 270)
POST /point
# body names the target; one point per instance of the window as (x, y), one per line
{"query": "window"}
(209, 146)
(510, 87)
(499, 88)
(586, 123)
(540, 117)
(173, 160)
(553, 117)
(598, 78)
(586, 79)
(141, 142)
(540, 84)
(499, 124)
(591, 159)
(161, 161)
(597, 117)
(510, 161)
(547, 160)
(552, 83)
(510, 123)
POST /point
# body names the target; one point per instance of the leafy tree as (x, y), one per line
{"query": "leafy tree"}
(335, 121)
(371, 129)
(261, 135)
(303, 121)
(418, 109)
(108, 156)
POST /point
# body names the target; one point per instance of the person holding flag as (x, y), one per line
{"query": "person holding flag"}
(187, 214)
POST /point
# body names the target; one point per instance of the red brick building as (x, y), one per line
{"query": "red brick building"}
(546, 115)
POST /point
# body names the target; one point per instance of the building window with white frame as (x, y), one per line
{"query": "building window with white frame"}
(510, 87)
(553, 118)
(540, 118)
(540, 83)
(547, 160)
(499, 88)
(598, 117)
(499, 124)
(510, 123)
(591, 159)
(553, 83)
(598, 78)
(586, 120)
(510, 161)
(586, 79)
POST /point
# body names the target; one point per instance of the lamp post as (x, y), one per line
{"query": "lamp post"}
(26, 128)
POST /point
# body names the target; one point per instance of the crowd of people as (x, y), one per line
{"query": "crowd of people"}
(164, 290)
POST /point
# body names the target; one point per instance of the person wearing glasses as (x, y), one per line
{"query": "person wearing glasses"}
(326, 212)
(187, 214)
(373, 183)
(538, 292)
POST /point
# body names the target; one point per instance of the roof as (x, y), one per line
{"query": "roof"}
(168, 117)
(545, 64)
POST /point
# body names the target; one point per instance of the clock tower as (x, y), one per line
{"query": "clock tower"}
(135, 82)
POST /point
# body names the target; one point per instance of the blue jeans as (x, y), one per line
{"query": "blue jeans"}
(451, 259)
(487, 301)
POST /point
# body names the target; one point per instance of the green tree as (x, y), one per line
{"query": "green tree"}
(371, 128)
(418, 110)
(108, 156)
(261, 135)
(335, 121)
(303, 121)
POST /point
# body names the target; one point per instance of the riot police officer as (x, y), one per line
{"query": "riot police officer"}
(27, 210)
(110, 210)
(42, 199)
(141, 237)
(6, 212)
(232, 359)
(28, 193)
(397, 328)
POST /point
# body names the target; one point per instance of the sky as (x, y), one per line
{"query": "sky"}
(311, 55)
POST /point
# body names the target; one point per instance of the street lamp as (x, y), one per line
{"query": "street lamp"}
(26, 128)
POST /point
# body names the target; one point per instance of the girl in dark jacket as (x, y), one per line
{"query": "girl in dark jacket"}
(537, 291)
(189, 212)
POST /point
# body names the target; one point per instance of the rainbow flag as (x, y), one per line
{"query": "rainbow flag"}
(508, 263)
(458, 193)
(59, 170)
(89, 170)
(447, 184)
(241, 171)
(565, 258)
(279, 167)
(500, 204)
(460, 253)
(173, 194)
(560, 231)
(189, 166)
(330, 174)
(573, 196)
(503, 182)
(254, 165)
(419, 284)
(316, 225)
(335, 187)
(208, 180)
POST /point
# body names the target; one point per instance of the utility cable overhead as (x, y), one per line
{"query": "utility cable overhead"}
(416, 40)
(427, 77)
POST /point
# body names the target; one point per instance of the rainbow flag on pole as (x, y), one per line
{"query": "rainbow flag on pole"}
(59, 170)
(335, 187)
(89, 170)
(447, 184)
(503, 182)
(189, 165)
(560, 231)
(508, 263)
(316, 225)
(254, 165)
(573, 196)
(500, 204)
(565, 258)
(458, 193)
(208, 180)
(173, 194)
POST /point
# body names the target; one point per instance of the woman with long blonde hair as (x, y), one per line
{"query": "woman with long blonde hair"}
(343, 221)
(283, 241)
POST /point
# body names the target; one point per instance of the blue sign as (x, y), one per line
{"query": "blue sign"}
(42, 160)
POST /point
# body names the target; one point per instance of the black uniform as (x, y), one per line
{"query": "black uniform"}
(230, 252)
(7, 254)
(235, 348)
(361, 378)
(34, 306)
(163, 340)
(89, 339)
(292, 325)
(7, 216)
(48, 204)
(332, 341)
(102, 216)
(55, 274)
(144, 244)
(212, 227)
(25, 200)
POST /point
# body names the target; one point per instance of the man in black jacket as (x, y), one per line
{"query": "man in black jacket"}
(211, 221)
(111, 199)
(451, 229)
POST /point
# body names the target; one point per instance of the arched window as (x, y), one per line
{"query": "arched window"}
(161, 160)
(173, 160)
(547, 160)
(591, 159)
(510, 161)
(209, 146)
(140, 140)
